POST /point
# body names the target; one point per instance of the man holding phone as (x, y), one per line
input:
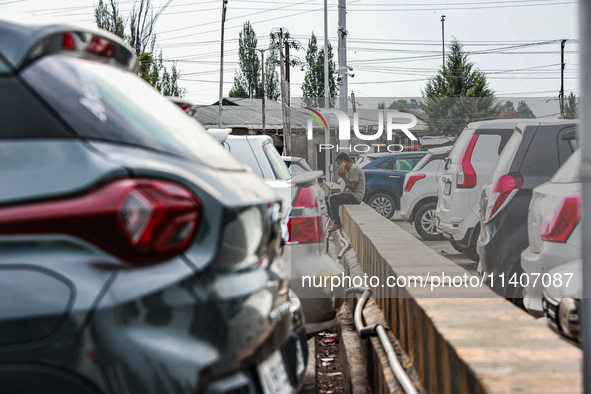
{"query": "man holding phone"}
(352, 193)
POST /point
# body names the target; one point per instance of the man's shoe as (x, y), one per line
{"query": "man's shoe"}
(335, 227)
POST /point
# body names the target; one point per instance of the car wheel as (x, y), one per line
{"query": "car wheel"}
(425, 224)
(456, 246)
(383, 204)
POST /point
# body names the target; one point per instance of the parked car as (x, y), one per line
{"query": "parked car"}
(136, 254)
(365, 158)
(553, 227)
(384, 177)
(469, 165)
(296, 165)
(562, 300)
(419, 198)
(533, 154)
(304, 251)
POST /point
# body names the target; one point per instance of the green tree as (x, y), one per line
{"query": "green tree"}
(272, 87)
(571, 108)
(508, 107)
(108, 17)
(313, 86)
(381, 105)
(403, 104)
(247, 79)
(142, 23)
(457, 95)
(524, 110)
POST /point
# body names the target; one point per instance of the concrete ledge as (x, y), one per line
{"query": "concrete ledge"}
(461, 340)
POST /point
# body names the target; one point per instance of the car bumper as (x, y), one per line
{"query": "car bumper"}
(535, 265)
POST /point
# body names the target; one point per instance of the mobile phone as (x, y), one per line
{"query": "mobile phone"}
(343, 165)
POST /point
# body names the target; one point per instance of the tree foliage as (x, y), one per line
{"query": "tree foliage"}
(247, 79)
(571, 108)
(522, 109)
(141, 32)
(457, 95)
(313, 86)
(403, 104)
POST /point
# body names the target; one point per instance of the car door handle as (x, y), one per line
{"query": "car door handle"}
(394, 176)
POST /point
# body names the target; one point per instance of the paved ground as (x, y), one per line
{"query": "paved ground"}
(442, 247)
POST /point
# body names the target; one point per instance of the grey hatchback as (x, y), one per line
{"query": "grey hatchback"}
(136, 255)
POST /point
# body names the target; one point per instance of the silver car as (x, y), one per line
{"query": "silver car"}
(554, 230)
(419, 199)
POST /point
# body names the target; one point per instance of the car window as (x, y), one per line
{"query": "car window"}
(16, 107)
(278, 166)
(507, 155)
(101, 102)
(386, 164)
(403, 165)
(569, 171)
(426, 159)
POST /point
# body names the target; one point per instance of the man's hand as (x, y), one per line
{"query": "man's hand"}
(342, 173)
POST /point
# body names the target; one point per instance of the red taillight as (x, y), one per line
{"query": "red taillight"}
(566, 215)
(502, 191)
(466, 177)
(137, 220)
(68, 41)
(411, 180)
(100, 46)
(305, 219)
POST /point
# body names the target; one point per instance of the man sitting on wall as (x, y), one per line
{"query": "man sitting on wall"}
(352, 193)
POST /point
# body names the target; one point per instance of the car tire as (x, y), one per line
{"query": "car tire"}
(457, 247)
(383, 203)
(424, 222)
(471, 252)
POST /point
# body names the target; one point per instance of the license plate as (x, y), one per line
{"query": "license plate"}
(447, 188)
(300, 365)
(273, 375)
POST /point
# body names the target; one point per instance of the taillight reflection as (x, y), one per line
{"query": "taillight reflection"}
(305, 219)
(137, 220)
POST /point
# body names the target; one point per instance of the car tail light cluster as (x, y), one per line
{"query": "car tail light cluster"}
(559, 226)
(502, 191)
(466, 176)
(411, 180)
(137, 220)
(305, 219)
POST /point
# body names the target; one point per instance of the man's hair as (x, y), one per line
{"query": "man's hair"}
(343, 156)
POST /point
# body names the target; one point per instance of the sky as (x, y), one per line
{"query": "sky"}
(394, 46)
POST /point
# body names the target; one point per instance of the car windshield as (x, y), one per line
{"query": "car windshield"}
(101, 102)
(278, 166)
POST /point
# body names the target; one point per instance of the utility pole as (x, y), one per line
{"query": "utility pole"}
(585, 175)
(279, 34)
(262, 51)
(443, 38)
(342, 33)
(221, 97)
(287, 97)
(561, 94)
(327, 157)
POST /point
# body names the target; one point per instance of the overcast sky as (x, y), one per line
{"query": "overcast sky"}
(393, 45)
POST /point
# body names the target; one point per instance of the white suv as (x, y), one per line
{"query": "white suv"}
(467, 168)
(419, 199)
(304, 222)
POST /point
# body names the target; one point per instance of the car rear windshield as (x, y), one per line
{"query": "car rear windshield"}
(101, 102)
(423, 162)
(506, 158)
(278, 166)
(569, 171)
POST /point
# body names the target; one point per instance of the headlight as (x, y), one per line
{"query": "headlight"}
(568, 316)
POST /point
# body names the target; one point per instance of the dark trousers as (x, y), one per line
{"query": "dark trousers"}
(334, 201)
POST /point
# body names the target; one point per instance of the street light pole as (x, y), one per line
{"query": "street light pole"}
(343, 101)
(224, 2)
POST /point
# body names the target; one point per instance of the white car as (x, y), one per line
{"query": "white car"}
(304, 222)
(419, 199)
(468, 167)
(554, 230)
(562, 299)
